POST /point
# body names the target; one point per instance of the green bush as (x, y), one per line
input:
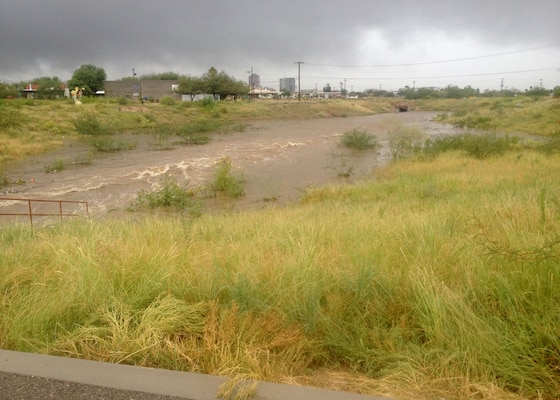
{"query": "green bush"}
(168, 101)
(360, 140)
(123, 101)
(88, 124)
(208, 104)
(483, 146)
(442, 143)
(170, 195)
(226, 181)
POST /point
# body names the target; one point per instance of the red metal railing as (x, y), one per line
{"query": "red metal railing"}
(82, 204)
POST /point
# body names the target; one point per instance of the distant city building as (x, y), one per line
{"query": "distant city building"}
(254, 81)
(288, 85)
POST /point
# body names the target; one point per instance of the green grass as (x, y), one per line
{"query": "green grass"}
(110, 144)
(477, 145)
(439, 278)
(57, 165)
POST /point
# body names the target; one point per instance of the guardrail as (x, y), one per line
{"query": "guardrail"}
(83, 205)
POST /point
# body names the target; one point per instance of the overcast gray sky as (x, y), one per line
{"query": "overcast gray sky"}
(363, 43)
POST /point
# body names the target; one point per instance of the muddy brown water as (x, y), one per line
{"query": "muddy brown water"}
(278, 159)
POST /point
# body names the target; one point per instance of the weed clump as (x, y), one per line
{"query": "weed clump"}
(226, 181)
(170, 194)
(404, 140)
(109, 145)
(359, 140)
(123, 101)
(58, 165)
(208, 104)
(168, 101)
(88, 124)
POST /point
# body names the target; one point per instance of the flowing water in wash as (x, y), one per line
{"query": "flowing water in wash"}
(278, 160)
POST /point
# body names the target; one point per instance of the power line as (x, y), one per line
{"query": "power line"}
(439, 61)
(437, 76)
(299, 78)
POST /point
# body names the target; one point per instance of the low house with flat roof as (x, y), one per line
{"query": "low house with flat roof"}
(35, 91)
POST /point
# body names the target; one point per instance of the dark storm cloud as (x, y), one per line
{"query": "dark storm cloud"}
(54, 37)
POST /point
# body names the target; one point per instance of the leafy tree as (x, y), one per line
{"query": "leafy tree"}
(90, 77)
(455, 92)
(327, 88)
(426, 93)
(286, 93)
(537, 91)
(164, 76)
(221, 84)
(376, 93)
(49, 87)
(190, 85)
(7, 91)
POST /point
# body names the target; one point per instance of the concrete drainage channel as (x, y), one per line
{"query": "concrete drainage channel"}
(26, 376)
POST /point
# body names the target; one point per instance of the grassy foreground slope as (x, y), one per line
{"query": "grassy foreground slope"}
(437, 278)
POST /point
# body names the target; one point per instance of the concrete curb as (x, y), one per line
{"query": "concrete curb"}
(151, 380)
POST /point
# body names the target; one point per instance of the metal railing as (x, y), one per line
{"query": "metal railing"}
(83, 205)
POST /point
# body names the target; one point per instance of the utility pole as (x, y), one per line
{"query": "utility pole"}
(502, 85)
(250, 73)
(133, 73)
(299, 78)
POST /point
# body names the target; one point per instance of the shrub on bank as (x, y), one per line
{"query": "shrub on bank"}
(169, 194)
(88, 124)
(359, 140)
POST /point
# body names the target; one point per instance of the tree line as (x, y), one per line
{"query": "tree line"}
(90, 79)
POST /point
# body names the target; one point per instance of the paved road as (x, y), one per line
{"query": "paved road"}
(26, 376)
(22, 387)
